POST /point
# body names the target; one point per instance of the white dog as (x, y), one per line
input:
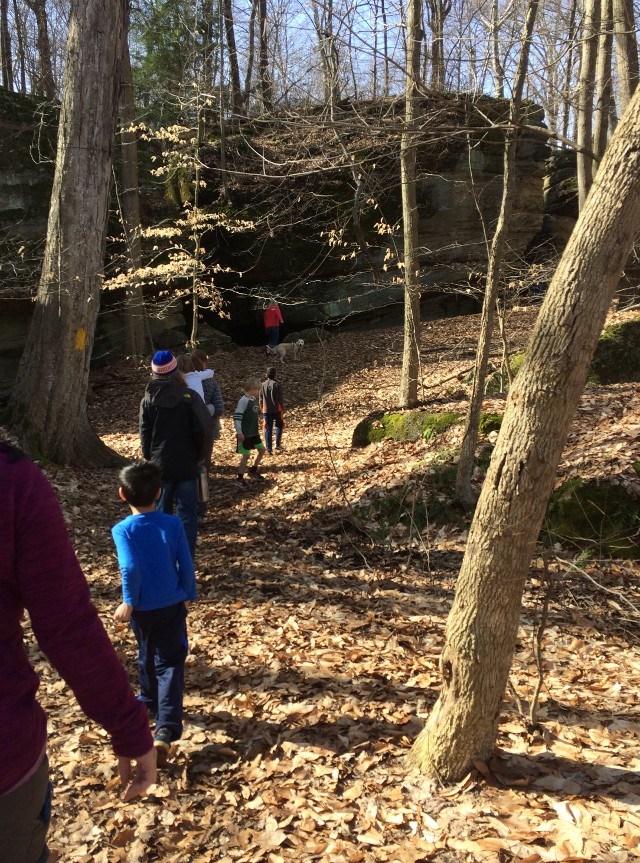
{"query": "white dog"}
(285, 348)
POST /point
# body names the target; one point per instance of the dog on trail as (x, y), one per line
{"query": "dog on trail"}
(285, 349)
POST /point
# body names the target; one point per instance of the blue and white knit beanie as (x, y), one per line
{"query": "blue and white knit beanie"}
(163, 363)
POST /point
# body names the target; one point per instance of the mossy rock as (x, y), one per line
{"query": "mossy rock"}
(498, 382)
(411, 426)
(595, 516)
(617, 356)
(489, 423)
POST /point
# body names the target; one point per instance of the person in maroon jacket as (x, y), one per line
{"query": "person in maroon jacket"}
(39, 572)
(272, 321)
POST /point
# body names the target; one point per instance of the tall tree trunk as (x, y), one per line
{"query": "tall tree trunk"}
(250, 50)
(232, 56)
(46, 86)
(130, 203)
(48, 405)
(498, 71)
(569, 70)
(483, 622)
(224, 179)
(496, 258)
(5, 47)
(604, 83)
(265, 80)
(584, 121)
(385, 42)
(411, 347)
(438, 13)
(626, 50)
(323, 23)
(20, 39)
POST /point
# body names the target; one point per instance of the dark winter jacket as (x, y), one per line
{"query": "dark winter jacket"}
(271, 398)
(175, 429)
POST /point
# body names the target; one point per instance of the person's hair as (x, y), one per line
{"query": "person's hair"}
(199, 359)
(13, 453)
(252, 384)
(271, 373)
(140, 482)
(185, 364)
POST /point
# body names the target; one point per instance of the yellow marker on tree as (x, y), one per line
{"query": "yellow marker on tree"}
(81, 339)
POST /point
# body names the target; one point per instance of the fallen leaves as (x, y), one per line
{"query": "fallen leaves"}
(314, 654)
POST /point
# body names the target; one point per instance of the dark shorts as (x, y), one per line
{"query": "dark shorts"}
(249, 444)
(24, 819)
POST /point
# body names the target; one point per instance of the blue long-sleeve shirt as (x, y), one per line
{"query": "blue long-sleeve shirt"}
(155, 561)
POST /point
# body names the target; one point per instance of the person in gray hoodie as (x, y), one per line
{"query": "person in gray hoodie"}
(175, 434)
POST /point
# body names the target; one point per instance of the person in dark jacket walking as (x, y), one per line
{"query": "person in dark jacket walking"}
(271, 404)
(175, 433)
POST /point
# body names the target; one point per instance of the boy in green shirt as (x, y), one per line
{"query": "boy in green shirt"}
(245, 420)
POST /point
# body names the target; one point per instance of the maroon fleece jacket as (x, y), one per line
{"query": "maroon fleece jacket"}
(39, 572)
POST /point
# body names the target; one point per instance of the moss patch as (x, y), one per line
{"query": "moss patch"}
(411, 426)
(498, 382)
(617, 357)
(600, 517)
(489, 423)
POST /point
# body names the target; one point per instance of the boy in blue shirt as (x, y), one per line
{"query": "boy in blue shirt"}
(158, 579)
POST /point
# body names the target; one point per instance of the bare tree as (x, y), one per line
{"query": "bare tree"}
(130, 206)
(226, 14)
(626, 50)
(584, 123)
(496, 259)
(6, 58)
(483, 622)
(411, 349)
(48, 404)
(604, 83)
(45, 85)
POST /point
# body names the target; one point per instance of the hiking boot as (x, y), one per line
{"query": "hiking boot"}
(162, 744)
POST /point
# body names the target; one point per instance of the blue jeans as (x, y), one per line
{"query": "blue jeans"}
(162, 649)
(269, 420)
(185, 497)
(273, 334)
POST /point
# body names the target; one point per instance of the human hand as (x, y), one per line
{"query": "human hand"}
(138, 778)
(240, 436)
(123, 613)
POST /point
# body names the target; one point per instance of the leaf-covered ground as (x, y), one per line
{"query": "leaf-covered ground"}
(314, 645)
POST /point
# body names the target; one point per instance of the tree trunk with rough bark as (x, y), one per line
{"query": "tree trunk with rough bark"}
(6, 58)
(584, 120)
(130, 205)
(45, 85)
(483, 623)
(604, 83)
(411, 348)
(464, 474)
(48, 406)
(232, 56)
(626, 50)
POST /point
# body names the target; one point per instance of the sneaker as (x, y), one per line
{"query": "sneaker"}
(162, 743)
(253, 473)
(241, 482)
